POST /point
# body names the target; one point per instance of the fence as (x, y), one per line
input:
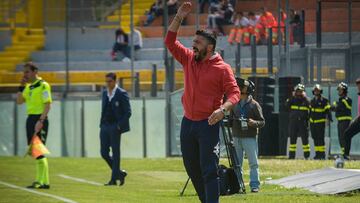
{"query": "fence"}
(74, 128)
(331, 133)
(323, 64)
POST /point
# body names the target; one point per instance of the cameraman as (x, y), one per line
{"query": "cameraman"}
(247, 118)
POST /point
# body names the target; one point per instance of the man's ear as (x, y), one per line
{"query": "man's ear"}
(210, 48)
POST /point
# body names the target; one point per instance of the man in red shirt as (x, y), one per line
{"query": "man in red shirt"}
(207, 79)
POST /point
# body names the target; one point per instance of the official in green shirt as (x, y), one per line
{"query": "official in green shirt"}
(36, 94)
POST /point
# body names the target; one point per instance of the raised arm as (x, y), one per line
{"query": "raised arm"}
(179, 51)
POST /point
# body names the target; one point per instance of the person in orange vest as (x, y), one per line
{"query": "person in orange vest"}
(241, 22)
(267, 20)
(253, 28)
(282, 28)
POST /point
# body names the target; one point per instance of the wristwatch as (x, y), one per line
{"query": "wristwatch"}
(223, 110)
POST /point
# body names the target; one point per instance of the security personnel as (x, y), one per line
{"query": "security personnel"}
(36, 94)
(354, 127)
(342, 110)
(319, 111)
(299, 107)
(114, 121)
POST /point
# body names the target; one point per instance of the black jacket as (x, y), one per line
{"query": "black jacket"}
(342, 109)
(121, 106)
(319, 110)
(299, 108)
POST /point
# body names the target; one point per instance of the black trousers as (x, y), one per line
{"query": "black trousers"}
(318, 134)
(342, 126)
(110, 137)
(30, 128)
(200, 151)
(350, 132)
(299, 128)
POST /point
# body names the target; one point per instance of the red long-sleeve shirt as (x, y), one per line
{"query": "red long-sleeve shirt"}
(205, 83)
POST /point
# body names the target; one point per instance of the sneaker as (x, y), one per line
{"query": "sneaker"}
(254, 190)
(346, 157)
(34, 185)
(44, 186)
(126, 60)
(110, 183)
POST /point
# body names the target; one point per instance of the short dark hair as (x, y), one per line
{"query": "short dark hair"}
(209, 36)
(111, 75)
(31, 66)
(251, 13)
(357, 81)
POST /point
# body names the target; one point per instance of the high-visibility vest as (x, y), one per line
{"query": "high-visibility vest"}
(231, 35)
(319, 109)
(343, 109)
(236, 35)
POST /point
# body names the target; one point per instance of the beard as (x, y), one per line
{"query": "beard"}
(201, 54)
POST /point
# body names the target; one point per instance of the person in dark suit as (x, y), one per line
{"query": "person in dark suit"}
(114, 122)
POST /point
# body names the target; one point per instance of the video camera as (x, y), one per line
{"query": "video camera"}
(229, 120)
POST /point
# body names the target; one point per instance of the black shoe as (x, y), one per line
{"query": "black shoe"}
(254, 190)
(123, 174)
(34, 185)
(44, 187)
(346, 157)
(110, 183)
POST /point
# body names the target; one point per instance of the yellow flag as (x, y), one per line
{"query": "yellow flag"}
(36, 147)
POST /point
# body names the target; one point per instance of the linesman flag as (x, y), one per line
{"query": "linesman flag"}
(36, 147)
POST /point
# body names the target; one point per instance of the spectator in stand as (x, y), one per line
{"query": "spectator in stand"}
(221, 16)
(138, 42)
(153, 12)
(157, 10)
(253, 28)
(253, 19)
(295, 26)
(241, 22)
(211, 3)
(267, 20)
(172, 7)
(121, 45)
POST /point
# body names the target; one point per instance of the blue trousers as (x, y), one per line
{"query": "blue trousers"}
(249, 145)
(200, 151)
(110, 137)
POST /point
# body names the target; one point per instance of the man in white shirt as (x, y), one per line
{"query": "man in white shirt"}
(253, 19)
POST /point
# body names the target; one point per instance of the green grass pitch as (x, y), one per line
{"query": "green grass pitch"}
(150, 180)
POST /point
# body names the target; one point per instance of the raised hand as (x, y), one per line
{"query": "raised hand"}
(184, 9)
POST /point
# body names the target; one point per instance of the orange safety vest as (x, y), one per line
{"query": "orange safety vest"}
(231, 35)
(235, 35)
(246, 35)
(267, 20)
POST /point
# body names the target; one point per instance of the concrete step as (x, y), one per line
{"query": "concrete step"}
(125, 18)
(104, 39)
(142, 54)
(22, 54)
(13, 60)
(21, 48)
(37, 38)
(118, 65)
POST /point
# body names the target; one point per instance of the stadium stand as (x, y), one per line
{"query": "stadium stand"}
(90, 47)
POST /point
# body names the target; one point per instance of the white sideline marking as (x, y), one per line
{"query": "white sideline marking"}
(80, 180)
(38, 193)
